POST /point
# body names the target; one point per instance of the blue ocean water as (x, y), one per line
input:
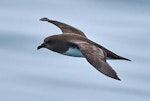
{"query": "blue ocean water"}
(30, 75)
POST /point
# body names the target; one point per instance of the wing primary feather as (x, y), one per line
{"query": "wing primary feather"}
(65, 28)
(97, 58)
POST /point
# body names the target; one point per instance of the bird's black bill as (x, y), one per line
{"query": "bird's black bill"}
(41, 46)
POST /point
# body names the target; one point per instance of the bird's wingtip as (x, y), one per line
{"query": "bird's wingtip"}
(116, 78)
(44, 19)
(128, 59)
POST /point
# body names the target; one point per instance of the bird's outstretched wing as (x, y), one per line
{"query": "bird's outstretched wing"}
(65, 28)
(97, 58)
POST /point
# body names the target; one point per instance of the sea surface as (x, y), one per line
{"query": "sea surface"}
(28, 74)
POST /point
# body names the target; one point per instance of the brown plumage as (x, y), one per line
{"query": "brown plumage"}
(73, 42)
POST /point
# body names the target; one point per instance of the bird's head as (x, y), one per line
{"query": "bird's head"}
(49, 43)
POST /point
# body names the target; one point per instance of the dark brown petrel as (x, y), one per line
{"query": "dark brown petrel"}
(73, 42)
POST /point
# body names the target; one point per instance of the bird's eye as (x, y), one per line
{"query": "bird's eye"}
(45, 40)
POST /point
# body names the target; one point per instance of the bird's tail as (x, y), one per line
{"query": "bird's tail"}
(112, 55)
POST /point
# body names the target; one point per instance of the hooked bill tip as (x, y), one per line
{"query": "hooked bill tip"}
(41, 46)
